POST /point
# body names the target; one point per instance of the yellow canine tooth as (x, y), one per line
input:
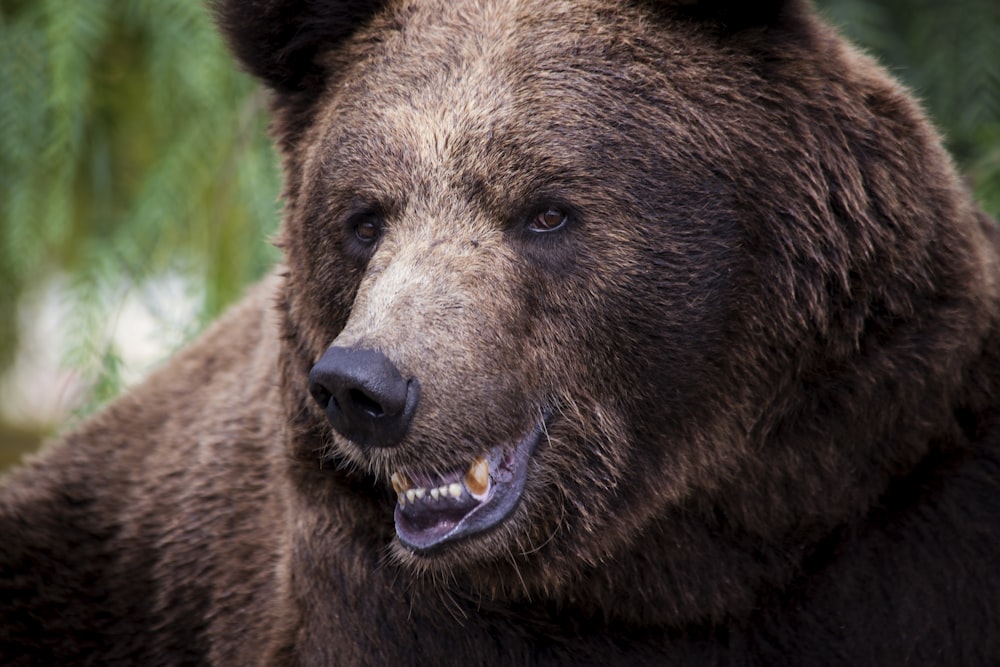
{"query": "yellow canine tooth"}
(477, 477)
(399, 483)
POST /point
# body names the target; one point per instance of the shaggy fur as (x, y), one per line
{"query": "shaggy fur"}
(763, 349)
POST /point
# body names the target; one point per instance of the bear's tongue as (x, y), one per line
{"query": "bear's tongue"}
(432, 512)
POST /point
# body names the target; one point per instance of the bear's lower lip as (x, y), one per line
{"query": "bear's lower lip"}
(431, 513)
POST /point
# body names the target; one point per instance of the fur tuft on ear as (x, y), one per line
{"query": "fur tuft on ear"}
(733, 15)
(278, 41)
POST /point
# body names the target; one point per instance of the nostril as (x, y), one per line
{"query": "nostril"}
(320, 394)
(365, 403)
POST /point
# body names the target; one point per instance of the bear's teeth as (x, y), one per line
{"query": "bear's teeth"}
(410, 496)
(400, 483)
(477, 483)
(477, 478)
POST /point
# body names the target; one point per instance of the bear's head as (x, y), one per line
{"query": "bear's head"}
(579, 289)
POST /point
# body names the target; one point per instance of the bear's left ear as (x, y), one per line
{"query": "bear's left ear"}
(734, 15)
(278, 41)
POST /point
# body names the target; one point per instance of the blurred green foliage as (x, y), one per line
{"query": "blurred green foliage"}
(130, 147)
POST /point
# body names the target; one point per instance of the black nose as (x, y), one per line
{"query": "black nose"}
(364, 396)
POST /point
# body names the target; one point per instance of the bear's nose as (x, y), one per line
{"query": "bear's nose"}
(365, 398)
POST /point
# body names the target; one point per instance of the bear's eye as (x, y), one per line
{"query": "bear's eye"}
(368, 229)
(548, 221)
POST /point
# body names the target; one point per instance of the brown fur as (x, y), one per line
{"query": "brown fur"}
(764, 348)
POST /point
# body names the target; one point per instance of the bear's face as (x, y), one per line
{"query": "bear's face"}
(629, 268)
(510, 244)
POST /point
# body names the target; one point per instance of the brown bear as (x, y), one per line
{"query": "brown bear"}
(607, 332)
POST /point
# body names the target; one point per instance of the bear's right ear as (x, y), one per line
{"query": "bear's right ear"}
(278, 41)
(734, 15)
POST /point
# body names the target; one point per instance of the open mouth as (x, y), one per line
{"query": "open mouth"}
(433, 511)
